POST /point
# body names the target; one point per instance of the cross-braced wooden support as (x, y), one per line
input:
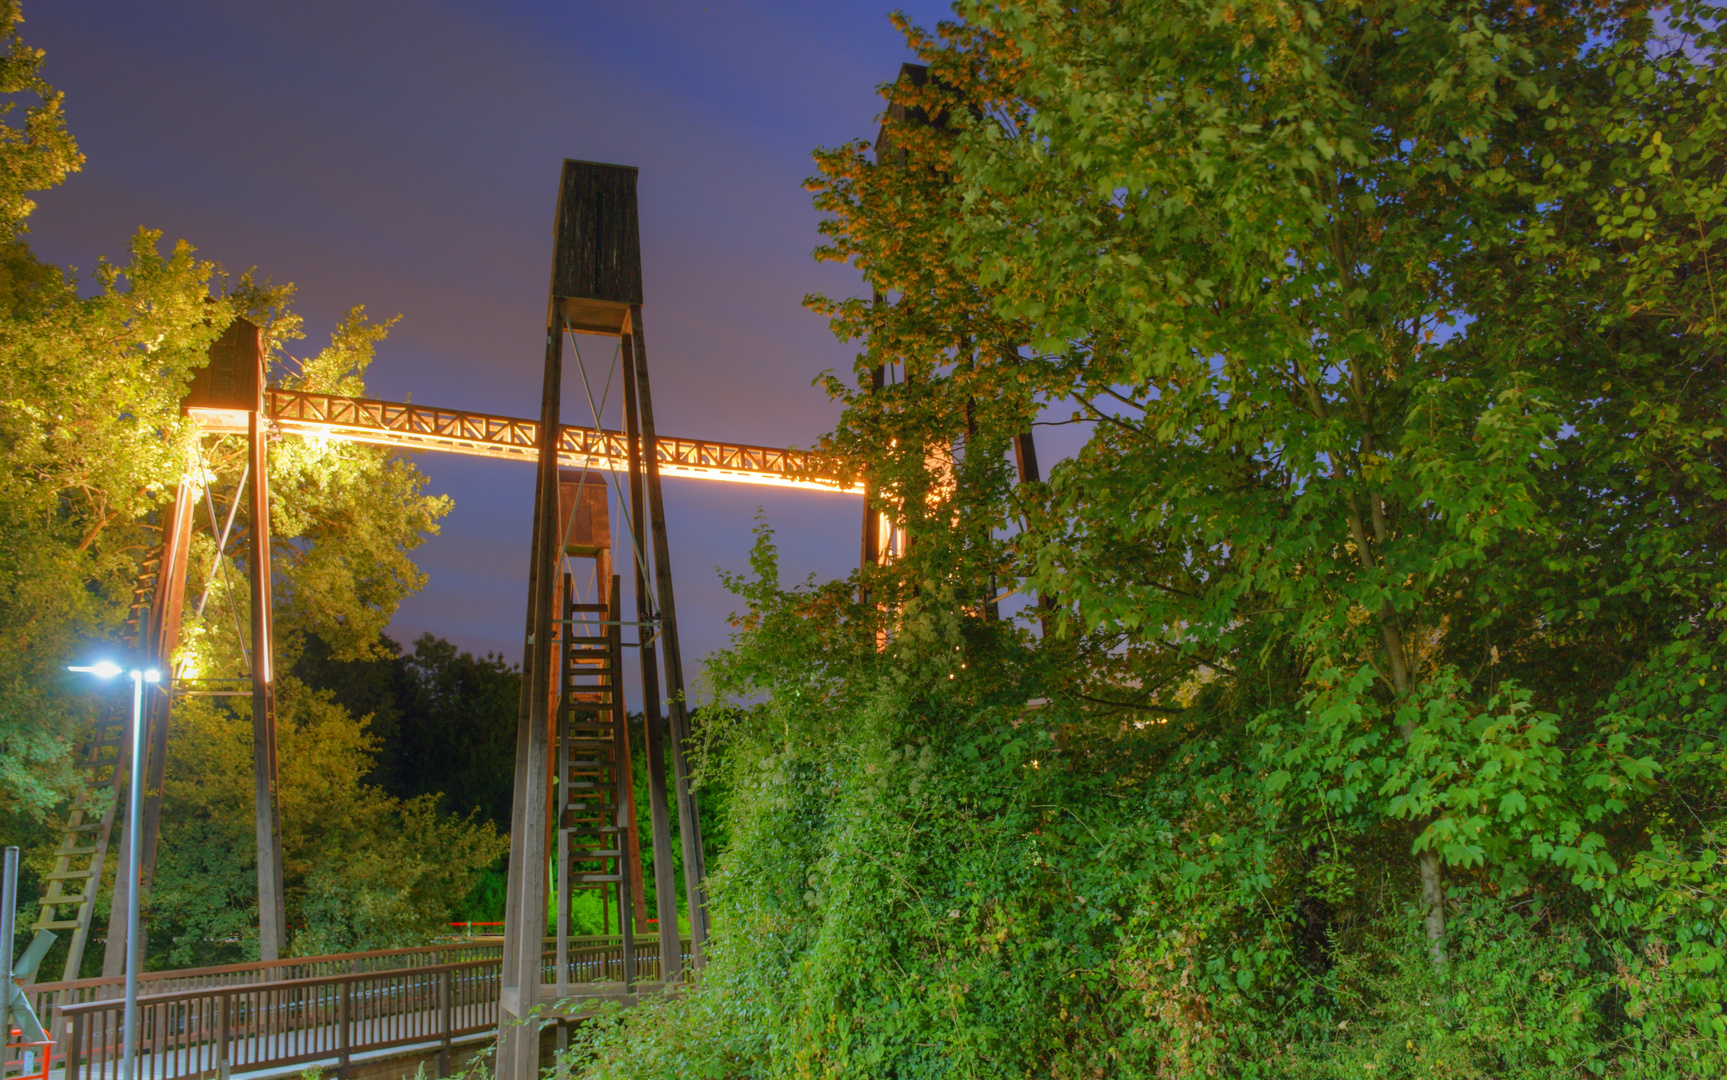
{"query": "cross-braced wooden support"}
(227, 396)
(596, 289)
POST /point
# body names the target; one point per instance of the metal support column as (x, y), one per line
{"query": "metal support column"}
(164, 637)
(623, 807)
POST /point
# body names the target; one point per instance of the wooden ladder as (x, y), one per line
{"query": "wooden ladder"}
(595, 828)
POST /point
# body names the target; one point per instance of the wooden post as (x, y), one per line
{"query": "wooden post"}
(344, 1019)
(74, 1047)
(653, 721)
(638, 876)
(690, 830)
(223, 998)
(871, 553)
(525, 903)
(1025, 464)
(444, 1024)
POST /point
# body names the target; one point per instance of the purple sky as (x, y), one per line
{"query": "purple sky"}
(405, 156)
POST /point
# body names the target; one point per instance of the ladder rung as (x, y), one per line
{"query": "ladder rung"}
(57, 924)
(594, 879)
(605, 853)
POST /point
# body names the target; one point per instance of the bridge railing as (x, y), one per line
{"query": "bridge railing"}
(45, 995)
(603, 961)
(243, 1025)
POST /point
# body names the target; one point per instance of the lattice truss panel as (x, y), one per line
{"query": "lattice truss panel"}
(394, 423)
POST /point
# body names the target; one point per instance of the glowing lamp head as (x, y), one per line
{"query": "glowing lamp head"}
(152, 675)
(102, 669)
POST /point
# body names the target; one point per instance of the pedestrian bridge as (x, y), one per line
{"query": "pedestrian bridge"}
(276, 1017)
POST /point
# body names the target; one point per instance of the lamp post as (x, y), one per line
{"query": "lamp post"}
(107, 669)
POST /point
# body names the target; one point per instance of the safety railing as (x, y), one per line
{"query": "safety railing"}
(240, 1028)
(605, 963)
(45, 995)
(209, 1030)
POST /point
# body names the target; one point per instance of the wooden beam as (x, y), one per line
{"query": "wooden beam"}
(653, 720)
(525, 900)
(689, 821)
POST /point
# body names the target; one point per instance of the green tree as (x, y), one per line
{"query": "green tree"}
(1382, 719)
(1362, 287)
(39, 153)
(90, 390)
(362, 870)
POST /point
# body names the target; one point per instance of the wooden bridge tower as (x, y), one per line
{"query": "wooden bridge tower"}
(568, 716)
(226, 398)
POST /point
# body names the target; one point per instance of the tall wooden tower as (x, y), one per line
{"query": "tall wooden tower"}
(571, 780)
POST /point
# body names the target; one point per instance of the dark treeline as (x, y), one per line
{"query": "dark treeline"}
(444, 719)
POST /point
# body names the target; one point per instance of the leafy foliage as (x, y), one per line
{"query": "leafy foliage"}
(1376, 728)
(362, 870)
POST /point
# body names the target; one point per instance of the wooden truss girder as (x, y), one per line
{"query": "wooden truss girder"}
(422, 427)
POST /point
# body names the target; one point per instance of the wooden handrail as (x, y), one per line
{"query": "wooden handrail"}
(262, 965)
(84, 1008)
(46, 995)
(197, 1030)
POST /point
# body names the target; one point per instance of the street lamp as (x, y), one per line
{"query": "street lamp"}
(107, 669)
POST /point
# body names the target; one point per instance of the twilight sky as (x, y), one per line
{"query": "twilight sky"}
(405, 156)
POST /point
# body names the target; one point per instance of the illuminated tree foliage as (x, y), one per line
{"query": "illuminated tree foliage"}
(90, 429)
(1378, 730)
